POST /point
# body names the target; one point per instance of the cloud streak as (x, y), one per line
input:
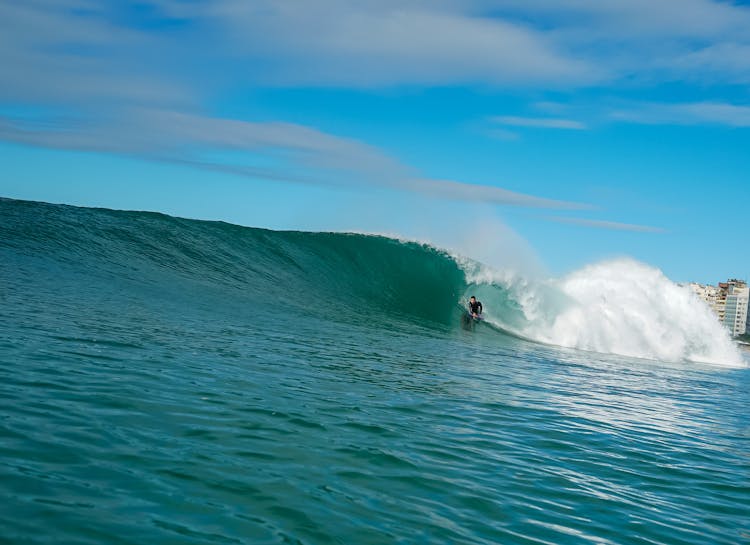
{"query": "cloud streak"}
(281, 152)
(693, 113)
(539, 122)
(120, 86)
(612, 225)
(703, 113)
(116, 86)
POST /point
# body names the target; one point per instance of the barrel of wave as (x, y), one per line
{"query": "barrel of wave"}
(620, 307)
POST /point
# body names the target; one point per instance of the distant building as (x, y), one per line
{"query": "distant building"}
(721, 300)
(729, 300)
(710, 294)
(707, 293)
(735, 310)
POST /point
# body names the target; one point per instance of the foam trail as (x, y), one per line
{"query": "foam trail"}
(620, 307)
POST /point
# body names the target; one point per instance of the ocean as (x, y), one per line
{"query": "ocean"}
(173, 381)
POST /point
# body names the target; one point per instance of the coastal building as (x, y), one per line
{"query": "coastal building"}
(735, 309)
(710, 294)
(721, 300)
(706, 292)
(729, 300)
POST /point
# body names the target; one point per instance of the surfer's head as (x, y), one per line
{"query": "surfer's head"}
(472, 298)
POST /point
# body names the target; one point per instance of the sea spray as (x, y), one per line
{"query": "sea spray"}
(619, 307)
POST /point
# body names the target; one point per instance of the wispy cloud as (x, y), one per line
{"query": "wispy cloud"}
(273, 151)
(126, 88)
(70, 53)
(382, 43)
(599, 224)
(481, 193)
(539, 122)
(703, 113)
(81, 50)
(694, 113)
(119, 87)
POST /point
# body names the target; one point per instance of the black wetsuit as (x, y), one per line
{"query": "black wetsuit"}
(475, 308)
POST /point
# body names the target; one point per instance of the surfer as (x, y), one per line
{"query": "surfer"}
(475, 307)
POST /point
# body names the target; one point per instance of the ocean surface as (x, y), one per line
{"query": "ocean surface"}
(172, 381)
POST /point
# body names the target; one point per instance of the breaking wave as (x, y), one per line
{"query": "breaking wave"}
(620, 307)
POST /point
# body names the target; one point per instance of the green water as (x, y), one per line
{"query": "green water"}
(173, 381)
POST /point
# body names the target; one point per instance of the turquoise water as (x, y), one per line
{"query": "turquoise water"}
(172, 381)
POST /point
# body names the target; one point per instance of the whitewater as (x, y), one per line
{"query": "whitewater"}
(616, 307)
(165, 380)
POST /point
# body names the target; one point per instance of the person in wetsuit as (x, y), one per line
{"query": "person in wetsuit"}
(475, 307)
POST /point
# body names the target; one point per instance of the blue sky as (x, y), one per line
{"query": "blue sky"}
(575, 131)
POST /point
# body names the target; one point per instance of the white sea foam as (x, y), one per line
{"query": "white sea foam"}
(620, 307)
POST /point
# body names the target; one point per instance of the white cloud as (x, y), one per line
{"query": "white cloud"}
(373, 44)
(69, 54)
(557, 44)
(80, 51)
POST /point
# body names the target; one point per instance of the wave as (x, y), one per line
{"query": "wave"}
(620, 307)
(370, 279)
